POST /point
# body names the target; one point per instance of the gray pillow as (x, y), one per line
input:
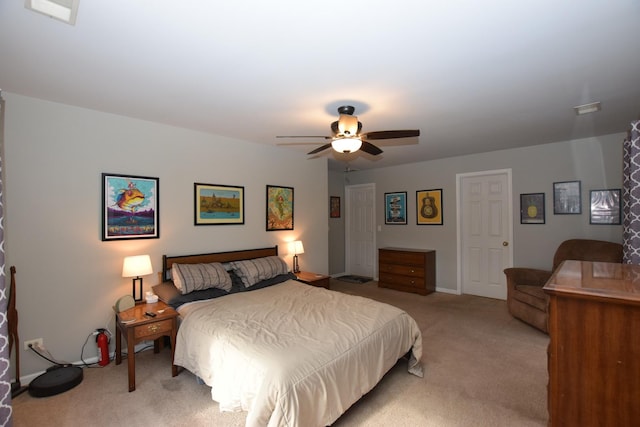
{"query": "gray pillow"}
(166, 291)
(251, 271)
(196, 277)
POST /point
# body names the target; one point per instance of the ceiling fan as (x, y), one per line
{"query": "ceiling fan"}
(348, 139)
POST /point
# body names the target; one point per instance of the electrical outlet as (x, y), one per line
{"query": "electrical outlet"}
(34, 343)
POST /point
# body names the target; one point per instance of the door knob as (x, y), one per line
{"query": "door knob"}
(505, 243)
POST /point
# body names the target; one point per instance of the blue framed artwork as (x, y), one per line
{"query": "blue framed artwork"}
(130, 207)
(395, 208)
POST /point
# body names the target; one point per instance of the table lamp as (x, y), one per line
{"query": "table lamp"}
(297, 248)
(136, 266)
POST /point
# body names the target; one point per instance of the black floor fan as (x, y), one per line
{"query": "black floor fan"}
(12, 318)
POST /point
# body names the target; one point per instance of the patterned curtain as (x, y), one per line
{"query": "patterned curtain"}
(631, 196)
(5, 375)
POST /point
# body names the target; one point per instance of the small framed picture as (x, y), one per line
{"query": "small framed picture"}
(532, 208)
(279, 208)
(130, 207)
(567, 198)
(218, 204)
(429, 207)
(605, 207)
(395, 208)
(334, 207)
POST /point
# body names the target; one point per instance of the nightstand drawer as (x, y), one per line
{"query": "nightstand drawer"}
(153, 329)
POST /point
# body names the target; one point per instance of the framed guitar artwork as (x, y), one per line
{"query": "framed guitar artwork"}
(429, 207)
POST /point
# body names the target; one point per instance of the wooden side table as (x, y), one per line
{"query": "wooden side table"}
(137, 327)
(319, 280)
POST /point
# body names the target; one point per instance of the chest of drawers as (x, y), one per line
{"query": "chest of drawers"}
(409, 270)
(594, 350)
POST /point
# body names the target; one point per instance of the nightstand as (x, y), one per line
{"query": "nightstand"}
(319, 280)
(137, 327)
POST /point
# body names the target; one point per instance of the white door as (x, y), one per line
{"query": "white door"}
(484, 232)
(360, 233)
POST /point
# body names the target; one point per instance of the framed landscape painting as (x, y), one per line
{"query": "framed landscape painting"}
(218, 204)
(129, 207)
(279, 208)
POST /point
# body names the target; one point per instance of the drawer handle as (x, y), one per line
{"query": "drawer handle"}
(413, 271)
(153, 328)
(413, 282)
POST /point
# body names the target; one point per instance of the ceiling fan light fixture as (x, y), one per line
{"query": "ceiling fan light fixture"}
(346, 144)
(347, 125)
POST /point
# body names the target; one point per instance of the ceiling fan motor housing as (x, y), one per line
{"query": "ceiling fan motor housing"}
(335, 128)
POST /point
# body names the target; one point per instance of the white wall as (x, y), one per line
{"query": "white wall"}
(596, 162)
(67, 278)
(337, 225)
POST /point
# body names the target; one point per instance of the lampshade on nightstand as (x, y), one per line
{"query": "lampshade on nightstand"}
(136, 266)
(296, 248)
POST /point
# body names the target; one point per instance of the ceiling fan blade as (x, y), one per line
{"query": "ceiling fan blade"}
(368, 147)
(289, 144)
(391, 134)
(303, 136)
(319, 149)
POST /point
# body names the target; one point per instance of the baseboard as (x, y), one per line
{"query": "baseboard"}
(447, 291)
(25, 380)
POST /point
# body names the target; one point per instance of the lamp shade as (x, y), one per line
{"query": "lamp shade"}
(296, 247)
(346, 145)
(138, 265)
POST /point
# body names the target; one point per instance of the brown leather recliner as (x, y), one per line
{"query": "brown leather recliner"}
(525, 298)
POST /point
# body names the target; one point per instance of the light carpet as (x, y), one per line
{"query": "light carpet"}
(482, 368)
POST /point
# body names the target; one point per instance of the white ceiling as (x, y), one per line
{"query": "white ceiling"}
(472, 76)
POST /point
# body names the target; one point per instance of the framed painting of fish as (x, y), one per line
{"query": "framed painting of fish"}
(218, 204)
(279, 208)
(130, 207)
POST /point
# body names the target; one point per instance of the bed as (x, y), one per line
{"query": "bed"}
(288, 353)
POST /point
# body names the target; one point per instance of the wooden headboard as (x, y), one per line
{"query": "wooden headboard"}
(168, 261)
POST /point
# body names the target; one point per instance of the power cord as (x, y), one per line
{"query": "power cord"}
(50, 358)
(62, 364)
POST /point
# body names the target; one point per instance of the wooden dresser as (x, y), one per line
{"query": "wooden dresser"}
(594, 351)
(409, 270)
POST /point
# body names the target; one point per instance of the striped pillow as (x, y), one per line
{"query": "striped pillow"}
(195, 277)
(252, 271)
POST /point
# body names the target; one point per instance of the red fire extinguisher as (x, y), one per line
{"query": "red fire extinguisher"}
(102, 339)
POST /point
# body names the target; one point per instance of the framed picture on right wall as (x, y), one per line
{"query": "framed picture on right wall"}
(567, 198)
(605, 207)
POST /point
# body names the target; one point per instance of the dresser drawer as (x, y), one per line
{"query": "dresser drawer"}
(405, 270)
(408, 270)
(152, 329)
(403, 258)
(392, 280)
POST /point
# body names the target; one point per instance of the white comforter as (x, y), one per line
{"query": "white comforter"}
(293, 354)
